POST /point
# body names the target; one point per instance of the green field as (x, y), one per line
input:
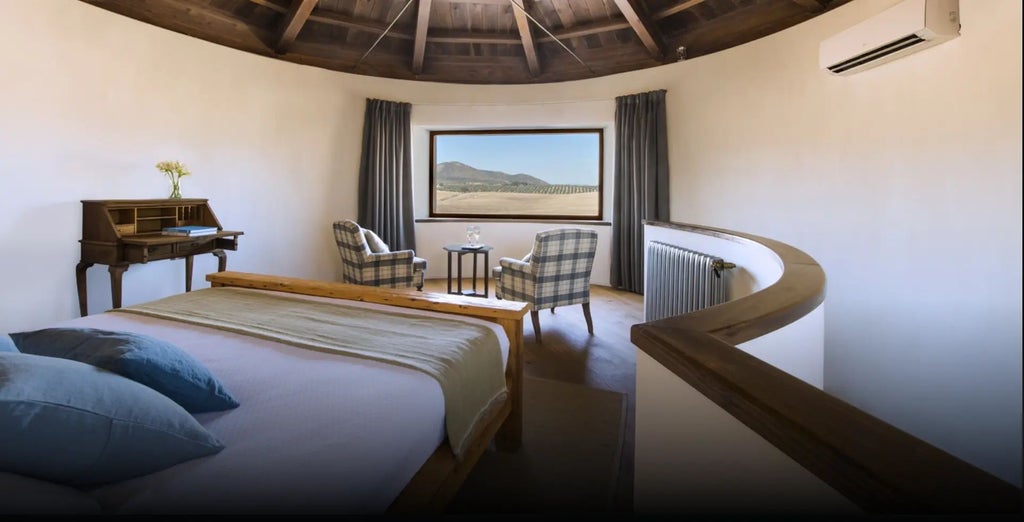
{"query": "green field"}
(516, 188)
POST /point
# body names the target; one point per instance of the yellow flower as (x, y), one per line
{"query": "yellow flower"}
(173, 169)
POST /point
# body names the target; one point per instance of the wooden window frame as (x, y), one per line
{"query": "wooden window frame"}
(506, 217)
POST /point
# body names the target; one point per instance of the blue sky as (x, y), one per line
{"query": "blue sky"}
(553, 157)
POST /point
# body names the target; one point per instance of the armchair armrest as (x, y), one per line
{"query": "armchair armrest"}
(390, 258)
(390, 269)
(511, 263)
(516, 283)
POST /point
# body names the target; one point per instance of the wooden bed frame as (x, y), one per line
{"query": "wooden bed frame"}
(437, 481)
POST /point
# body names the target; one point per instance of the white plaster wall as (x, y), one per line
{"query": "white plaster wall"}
(797, 348)
(903, 181)
(91, 100)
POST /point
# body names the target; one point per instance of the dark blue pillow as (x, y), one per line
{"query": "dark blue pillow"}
(76, 424)
(148, 360)
(6, 344)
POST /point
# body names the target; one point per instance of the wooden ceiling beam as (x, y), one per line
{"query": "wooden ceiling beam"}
(741, 26)
(642, 26)
(293, 22)
(370, 26)
(419, 45)
(564, 12)
(455, 36)
(665, 13)
(584, 30)
(463, 37)
(529, 47)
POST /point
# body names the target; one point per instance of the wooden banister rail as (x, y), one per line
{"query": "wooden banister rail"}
(877, 466)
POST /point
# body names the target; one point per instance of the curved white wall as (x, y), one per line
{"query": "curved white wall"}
(797, 348)
(903, 181)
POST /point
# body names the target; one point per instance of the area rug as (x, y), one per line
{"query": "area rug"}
(569, 460)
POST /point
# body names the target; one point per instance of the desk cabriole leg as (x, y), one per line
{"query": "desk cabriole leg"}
(222, 259)
(116, 271)
(83, 292)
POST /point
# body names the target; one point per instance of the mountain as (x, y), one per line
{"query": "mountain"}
(456, 172)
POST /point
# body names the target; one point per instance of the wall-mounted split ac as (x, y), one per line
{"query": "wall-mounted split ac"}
(907, 27)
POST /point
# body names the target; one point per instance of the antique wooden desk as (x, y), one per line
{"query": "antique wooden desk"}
(120, 232)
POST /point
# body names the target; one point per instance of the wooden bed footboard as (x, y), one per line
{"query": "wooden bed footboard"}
(437, 481)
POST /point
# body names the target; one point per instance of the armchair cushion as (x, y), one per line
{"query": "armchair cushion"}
(375, 243)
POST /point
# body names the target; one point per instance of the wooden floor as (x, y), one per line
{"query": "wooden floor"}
(606, 360)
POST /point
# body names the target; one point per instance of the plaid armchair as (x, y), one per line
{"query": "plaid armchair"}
(366, 260)
(555, 273)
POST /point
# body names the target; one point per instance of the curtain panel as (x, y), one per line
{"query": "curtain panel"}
(385, 173)
(641, 182)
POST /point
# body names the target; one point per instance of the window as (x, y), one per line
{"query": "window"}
(517, 174)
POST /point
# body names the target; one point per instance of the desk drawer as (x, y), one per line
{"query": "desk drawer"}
(199, 246)
(145, 253)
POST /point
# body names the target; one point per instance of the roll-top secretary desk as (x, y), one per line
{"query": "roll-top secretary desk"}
(121, 232)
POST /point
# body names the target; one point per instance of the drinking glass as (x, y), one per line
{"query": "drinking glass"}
(473, 234)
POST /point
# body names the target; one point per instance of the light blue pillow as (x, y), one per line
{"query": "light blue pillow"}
(148, 360)
(76, 424)
(6, 344)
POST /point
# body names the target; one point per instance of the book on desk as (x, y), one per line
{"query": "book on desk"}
(189, 230)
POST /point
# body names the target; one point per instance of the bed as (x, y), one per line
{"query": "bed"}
(319, 431)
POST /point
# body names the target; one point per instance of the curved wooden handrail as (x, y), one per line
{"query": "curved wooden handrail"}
(877, 466)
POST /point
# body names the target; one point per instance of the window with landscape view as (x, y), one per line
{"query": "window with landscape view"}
(516, 174)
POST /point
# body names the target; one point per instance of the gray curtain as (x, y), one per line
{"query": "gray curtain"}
(641, 182)
(385, 173)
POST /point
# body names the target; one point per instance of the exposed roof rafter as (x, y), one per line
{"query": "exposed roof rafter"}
(665, 13)
(523, 23)
(643, 27)
(475, 41)
(419, 45)
(293, 22)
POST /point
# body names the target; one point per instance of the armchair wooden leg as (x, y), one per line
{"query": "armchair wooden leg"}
(552, 309)
(536, 325)
(586, 314)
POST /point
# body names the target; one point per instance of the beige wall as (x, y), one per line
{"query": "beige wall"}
(902, 181)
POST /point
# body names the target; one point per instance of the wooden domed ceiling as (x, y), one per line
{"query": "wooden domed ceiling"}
(475, 41)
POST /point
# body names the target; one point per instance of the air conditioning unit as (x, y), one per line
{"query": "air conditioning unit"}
(907, 27)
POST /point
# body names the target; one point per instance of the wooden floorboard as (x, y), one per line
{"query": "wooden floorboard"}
(606, 360)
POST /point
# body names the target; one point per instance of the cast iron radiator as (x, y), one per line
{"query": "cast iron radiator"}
(680, 281)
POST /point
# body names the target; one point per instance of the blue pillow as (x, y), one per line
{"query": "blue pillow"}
(76, 424)
(148, 360)
(6, 344)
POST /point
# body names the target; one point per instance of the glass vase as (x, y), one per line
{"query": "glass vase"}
(175, 190)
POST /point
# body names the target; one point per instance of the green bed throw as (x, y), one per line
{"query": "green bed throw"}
(464, 357)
